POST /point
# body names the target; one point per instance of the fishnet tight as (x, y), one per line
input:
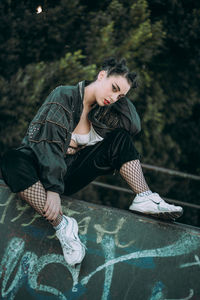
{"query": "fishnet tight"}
(35, 195)
(132, 173)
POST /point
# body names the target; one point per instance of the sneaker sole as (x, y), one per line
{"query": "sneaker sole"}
(75, 232)
(162, 215)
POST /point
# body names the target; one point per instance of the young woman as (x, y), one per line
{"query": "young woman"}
(79, 133)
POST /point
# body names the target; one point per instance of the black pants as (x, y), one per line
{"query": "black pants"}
(20, 170)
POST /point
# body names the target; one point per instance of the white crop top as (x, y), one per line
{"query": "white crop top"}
(88, 139)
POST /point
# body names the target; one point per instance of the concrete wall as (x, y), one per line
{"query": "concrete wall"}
(129, 256)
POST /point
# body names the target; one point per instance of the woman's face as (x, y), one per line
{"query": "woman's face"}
(109, 89)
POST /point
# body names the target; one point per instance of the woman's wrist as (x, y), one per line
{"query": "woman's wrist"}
(52, 193)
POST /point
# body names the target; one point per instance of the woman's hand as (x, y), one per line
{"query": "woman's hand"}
(73, 147)
(71, 150)
(53, 206)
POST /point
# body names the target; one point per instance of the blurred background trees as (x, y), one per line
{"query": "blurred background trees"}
(68, 41)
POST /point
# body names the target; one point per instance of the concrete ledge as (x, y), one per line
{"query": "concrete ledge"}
(129, 256)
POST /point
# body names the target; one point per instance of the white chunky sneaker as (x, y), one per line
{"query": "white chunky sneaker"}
(154, 205)
(73, 249)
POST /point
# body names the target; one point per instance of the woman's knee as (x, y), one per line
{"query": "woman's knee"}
(122, 148)
(19, 170)
(121, 132)
(121, 138)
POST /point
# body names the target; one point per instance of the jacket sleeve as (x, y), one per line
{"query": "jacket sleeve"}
(48, 136)
(135, 120)
(129, 119)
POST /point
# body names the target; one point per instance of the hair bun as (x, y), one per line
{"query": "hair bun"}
(110, 62)
(113, 66)
(122, 62)
(134, 79)
(133, 75)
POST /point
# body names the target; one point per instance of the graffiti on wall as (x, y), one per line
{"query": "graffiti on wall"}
(19, 266)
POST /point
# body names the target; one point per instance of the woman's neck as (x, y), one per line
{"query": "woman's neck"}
(89, 95)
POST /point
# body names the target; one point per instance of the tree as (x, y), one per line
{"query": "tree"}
(28, 88)
(28, 37)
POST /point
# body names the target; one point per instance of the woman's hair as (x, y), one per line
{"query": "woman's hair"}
(119, 67)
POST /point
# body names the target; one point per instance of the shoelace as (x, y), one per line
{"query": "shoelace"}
(163, 201)
(155, 195)
(67, 246)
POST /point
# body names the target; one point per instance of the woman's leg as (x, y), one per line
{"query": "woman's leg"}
(36, 196)
(117, 151)
(131, 171)
(66, 228)
(146, 201)
(103, 158)
(19, 171)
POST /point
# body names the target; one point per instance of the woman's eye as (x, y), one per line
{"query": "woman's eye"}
(114, 88)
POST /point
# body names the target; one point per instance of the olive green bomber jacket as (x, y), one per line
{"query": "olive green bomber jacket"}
(49, 133)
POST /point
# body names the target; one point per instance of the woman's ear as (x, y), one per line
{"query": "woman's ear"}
(101, 74)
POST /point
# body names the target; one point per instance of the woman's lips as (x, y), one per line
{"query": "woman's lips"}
(106, 102)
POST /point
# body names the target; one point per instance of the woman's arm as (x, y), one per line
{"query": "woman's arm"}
(48, 136)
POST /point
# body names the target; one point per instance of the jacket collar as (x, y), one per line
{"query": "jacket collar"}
(82, 85)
